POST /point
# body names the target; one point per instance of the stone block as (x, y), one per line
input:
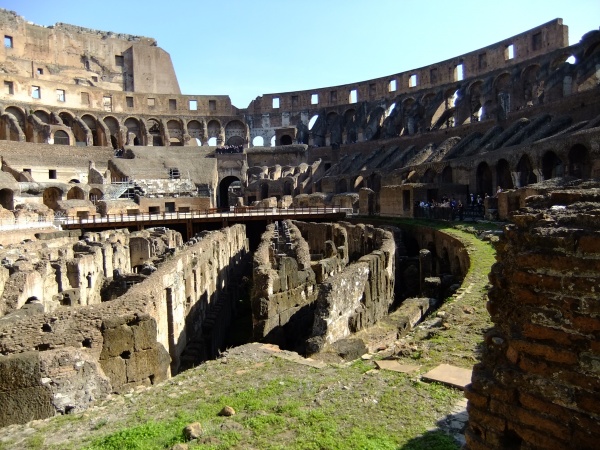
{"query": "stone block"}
(117, 341)
(24, 405)
(144, 334)
(115, 370)
(19, 371)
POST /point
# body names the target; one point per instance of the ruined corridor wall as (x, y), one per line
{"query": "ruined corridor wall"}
(110, 347)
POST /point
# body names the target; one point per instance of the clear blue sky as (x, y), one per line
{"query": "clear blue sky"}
(246, 48)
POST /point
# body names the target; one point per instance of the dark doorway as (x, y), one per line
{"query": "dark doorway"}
(224, 190)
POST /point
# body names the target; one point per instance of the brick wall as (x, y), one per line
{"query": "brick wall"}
(538, 382)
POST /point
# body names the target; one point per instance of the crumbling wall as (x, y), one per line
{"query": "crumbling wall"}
(80, 354)
(361, 294)
(284, 284)
(538, 382)
(314, 280)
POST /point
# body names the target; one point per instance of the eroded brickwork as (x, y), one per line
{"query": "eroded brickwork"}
(537, 385)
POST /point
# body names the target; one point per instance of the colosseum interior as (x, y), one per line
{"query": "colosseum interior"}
(133, 218)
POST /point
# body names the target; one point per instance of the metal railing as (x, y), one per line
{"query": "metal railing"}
(200, 214)
(20, 224)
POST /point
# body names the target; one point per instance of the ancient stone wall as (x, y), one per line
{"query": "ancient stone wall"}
(288, 280)
(538, 382)
(284, 282)
(360, 294)
(138, 338)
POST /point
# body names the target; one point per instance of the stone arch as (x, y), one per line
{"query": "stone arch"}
(134, 131)
(579, 162)
(175, 129)
(51, 197)
(79, 132)
(428, 176)
(342, 186)
(503, 175)
(155, 130)
(483, 181)
(446, 176)
(434, 109)
(409, 124)
(525, 174)
(90, 121)
(13, 126)
(475, 101)
(532, 89)
(223, 200)
(444, 116)
(43, 115)
(552, 165)
(350, 125)
(258, 141)
(195, 130)
(214, 130)
(235, 133)
(19, 115)
(374, 122)
(95, 195)
(61, 138)
(75, 193)
(358, 183)
(502, 88)
(114, 129)
(7, 199)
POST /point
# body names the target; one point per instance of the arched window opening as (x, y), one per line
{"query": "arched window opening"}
(389, 110)
(579, 162)
(525, 172)
(503, 176)
(258, 141)
(552, 166)
(212, 142)
(446, 176)
(229, 190)
(75, 193)
(61, 138)
(7, 199)
(311, 122)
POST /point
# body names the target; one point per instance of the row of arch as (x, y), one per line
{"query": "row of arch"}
(65, 128)
(575, 163)
(546, 80)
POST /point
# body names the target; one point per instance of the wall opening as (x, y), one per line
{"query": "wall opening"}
(314, 99)
(353, 97)
(509, 52)
(412, 81)
(258, 141)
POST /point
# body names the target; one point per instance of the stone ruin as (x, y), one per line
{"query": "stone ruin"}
(317, 283)
(56, 358)
(538, 382)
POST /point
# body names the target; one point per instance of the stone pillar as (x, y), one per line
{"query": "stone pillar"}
(425, 266)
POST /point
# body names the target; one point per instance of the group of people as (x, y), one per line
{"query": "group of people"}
(453, 206)
(230, 149)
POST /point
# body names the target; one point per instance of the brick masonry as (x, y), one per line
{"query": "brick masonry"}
(538, 382)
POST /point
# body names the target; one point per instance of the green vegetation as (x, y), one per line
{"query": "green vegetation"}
(281, 404)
